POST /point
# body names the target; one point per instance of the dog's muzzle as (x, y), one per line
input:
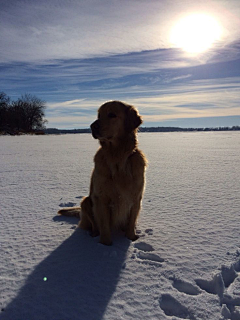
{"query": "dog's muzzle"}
(95, 127)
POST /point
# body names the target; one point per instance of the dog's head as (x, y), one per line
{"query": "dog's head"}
(115, 120)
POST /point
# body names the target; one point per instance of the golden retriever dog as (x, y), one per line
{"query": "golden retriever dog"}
(117, 181)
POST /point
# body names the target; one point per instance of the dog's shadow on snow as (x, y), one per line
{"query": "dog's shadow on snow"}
(76, 281)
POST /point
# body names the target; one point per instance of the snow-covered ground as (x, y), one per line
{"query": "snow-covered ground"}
(185, 265)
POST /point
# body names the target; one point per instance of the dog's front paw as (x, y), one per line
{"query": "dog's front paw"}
(105, 241)
(132, 236)
(94, 233)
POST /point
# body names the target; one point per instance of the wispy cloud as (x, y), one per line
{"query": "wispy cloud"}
(78, 54)
(70, 78)
(198, 99)
(48, 30)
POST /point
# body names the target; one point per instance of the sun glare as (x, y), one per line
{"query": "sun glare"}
(195, 33)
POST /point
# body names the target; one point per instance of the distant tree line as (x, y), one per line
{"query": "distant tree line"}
(65, 131)
(144, 129)
(176, 129)
(25, 115)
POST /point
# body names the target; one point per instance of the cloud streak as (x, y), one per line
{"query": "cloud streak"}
(49, 30)
(78, 54)
(200, 99)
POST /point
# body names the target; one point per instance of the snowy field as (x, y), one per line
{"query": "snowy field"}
(185, 265)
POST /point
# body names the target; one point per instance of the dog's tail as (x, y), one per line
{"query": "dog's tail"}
(70, 212)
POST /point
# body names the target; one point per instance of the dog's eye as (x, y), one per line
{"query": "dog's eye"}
(111, 115)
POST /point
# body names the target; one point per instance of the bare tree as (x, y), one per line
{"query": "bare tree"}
(27, 113)
(4, 107)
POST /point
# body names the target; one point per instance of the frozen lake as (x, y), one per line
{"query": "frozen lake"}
(185, 264)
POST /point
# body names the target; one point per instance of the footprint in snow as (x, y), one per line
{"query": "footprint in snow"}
(213, 286)
(225, 284)
(172, 307)
(149, 256)
(70, 204)
(143, 246)
(67, 204)
(149, 231)
(186, 287)
(145, 252)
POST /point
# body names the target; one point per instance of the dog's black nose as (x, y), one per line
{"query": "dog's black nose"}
(95, 127)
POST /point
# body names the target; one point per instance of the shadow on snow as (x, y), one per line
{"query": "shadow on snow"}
(76, 281)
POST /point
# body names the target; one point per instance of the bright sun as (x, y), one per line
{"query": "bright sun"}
(195, 33)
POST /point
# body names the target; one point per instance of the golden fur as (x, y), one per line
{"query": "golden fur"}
(117, 181)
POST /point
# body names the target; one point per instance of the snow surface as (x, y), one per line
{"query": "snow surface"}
(185, 265)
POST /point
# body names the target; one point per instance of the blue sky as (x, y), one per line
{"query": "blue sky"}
(76, 55)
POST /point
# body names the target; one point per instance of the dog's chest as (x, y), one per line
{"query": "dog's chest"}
(121, 175)
(114, 179)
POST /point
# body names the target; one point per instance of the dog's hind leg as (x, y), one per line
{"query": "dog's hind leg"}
(87, 221)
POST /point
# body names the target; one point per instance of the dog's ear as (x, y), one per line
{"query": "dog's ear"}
(133, 119)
